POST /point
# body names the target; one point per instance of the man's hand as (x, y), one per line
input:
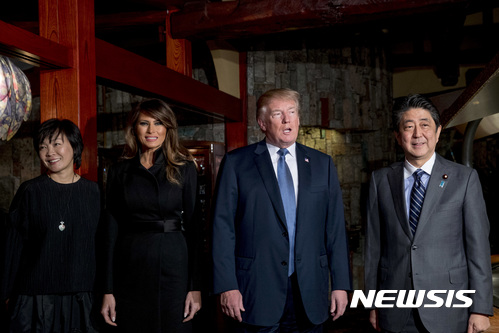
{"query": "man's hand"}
(339, 301)
(478, 323)
(373, 319)
(232, 304)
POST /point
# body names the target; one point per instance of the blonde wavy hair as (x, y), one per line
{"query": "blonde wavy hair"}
(273, 94)
(176, 155)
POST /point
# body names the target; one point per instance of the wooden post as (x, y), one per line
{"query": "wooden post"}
(236, 133)
(71, 92)
(178, 51)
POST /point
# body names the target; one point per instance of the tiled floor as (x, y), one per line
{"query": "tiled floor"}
(494, 322)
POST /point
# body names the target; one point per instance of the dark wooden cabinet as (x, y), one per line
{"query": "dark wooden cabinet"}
(208, 156)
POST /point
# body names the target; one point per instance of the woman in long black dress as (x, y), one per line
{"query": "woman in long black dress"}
(49, 271)
(152, 278)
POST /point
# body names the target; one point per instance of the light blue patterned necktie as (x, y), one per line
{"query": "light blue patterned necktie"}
(287, 189)
(417, 199)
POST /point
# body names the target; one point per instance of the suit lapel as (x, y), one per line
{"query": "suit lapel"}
(396, 181)
(304, 179)
(266, 170)
(433, 193)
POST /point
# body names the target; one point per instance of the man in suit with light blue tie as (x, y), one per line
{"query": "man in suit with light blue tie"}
(427, 229)
(279, 234)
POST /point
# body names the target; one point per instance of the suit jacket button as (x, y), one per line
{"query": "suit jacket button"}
(414, 247)
(285, 234)
(284, 263)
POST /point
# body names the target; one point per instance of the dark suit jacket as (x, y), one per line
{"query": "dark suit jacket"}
(449, 251)
(250, 242)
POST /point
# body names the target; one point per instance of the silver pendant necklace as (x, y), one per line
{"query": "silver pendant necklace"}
(62, 225)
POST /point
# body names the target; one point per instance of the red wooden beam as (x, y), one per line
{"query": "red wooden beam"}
(236, 133)
(178, 52)
(127, 68)
(33, 49)
(71, 93)
(113, 21)
(243, 18)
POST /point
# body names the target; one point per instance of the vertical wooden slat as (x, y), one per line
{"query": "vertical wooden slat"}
(236, 133)
(71, 93)
(178, 51)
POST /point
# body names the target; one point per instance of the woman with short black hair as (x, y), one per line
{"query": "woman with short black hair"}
(50, 266)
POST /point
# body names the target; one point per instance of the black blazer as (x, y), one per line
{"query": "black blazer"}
(133, 260)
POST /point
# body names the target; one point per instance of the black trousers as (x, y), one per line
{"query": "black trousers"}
(293, 320)
(413, 325)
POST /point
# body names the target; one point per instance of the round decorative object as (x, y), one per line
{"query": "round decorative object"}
(62, 226)
(15, 98)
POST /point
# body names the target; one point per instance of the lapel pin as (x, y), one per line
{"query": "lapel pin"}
(442, 183)
(306, 159)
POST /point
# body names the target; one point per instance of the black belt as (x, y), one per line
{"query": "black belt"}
(155, 226)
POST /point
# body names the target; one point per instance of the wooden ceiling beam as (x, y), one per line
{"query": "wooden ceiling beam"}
(33, 49)
(488, 76)
(160, 4)
(113, 22)
(129, 19)
(126, 68)
(243, 18)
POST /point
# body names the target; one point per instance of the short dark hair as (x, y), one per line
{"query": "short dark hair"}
(52, 128)
(414, 101)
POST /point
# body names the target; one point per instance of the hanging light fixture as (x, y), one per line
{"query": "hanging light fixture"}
(15, 98)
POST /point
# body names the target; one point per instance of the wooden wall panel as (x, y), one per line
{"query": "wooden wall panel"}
(71, 93)
(178, 52)
(236, 133)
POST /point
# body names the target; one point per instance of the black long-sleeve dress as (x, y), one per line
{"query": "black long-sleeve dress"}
(49, 271)
(152, 245)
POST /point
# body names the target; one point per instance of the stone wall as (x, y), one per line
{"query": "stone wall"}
(18, 159)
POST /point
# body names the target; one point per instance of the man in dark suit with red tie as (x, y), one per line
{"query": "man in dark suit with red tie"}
(279, 234)
(427, 229)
